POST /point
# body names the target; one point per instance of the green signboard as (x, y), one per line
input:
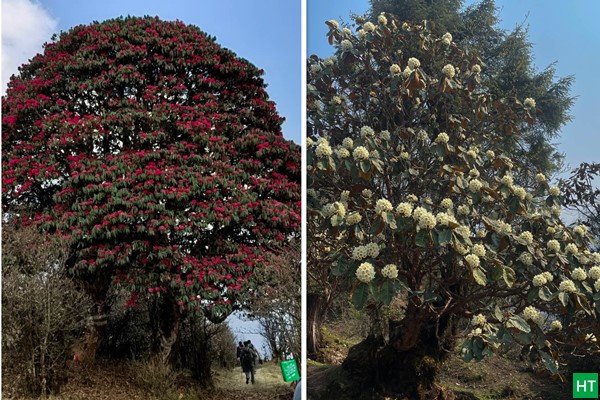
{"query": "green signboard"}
(289, 370)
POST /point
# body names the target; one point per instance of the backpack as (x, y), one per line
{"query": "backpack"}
(246, 357)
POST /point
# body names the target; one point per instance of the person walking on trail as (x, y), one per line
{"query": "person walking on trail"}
(238, 350)
(249, 358)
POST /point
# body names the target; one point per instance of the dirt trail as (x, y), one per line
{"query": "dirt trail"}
(268, 384)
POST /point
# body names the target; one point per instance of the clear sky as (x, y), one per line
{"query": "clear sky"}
(265, 32)
(565, 32)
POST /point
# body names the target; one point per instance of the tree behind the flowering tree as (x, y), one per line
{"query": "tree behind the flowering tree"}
(159, 155)
(413, 194)
(509, 68)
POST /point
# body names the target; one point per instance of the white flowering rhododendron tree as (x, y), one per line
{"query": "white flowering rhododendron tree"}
(410, 197)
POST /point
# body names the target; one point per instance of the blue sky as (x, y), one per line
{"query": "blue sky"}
(565, 32)
(266, 32)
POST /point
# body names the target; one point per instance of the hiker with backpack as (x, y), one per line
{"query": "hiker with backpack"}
(249, 358)
(238, 350)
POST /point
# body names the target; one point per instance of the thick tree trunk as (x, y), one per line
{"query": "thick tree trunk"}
(97, 288)
(169, 330)
(96, 330)
(316, 309)
(406, 366)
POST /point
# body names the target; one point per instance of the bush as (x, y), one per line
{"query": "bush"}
(202, 343)
(42, 312)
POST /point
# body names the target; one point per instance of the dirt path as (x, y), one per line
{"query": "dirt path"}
(268, 384)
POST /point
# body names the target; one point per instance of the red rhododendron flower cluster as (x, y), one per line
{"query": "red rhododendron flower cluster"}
(159, 155)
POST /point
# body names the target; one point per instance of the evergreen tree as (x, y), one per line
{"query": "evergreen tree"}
(508, 69)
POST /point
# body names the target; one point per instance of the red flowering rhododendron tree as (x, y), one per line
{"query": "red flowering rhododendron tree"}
(161, 157)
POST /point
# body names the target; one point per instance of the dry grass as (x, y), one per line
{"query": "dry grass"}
(123, 380)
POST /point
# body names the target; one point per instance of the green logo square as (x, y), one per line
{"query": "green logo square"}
(585, 385)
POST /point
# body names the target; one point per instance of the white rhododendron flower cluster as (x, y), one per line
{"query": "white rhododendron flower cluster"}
(527, 237)
(531, 313)
(442, 137)
(424, 218)
(404, 209)
(382, 19)
(554, 190)
(540, 178)
(507, 180)
(579, 274)
(529, 102)
(447, 38)
(567, 286)
(385, 135)
(348, 143)
(413, 63)
(382, 206)
(479, 320)
(336, 100)
(369, 27)
(346, 45)
(449, 71)
(571, 248)
(556, 325)
(367, 131)
(330, 61)
(594, 272)
(447, 203)
(334, 23)
(463, 210)
(390, 271)
(323, 149)
(353, 218)
(343, 153)
(476, 69)
(580, 230)
(365, 272)
(478, 250)
(472, 260)
(395, 69)
(539, 280)
(444, 219)
(475, 185)
(553, 245)
(360, 153)
(370, 250)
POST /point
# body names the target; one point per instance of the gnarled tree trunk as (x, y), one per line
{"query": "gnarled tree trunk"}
(316, 309)
(97, 290)
(405, 366)
(169, 325)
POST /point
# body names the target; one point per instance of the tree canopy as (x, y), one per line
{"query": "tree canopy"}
(414, 194)
(159, 156)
